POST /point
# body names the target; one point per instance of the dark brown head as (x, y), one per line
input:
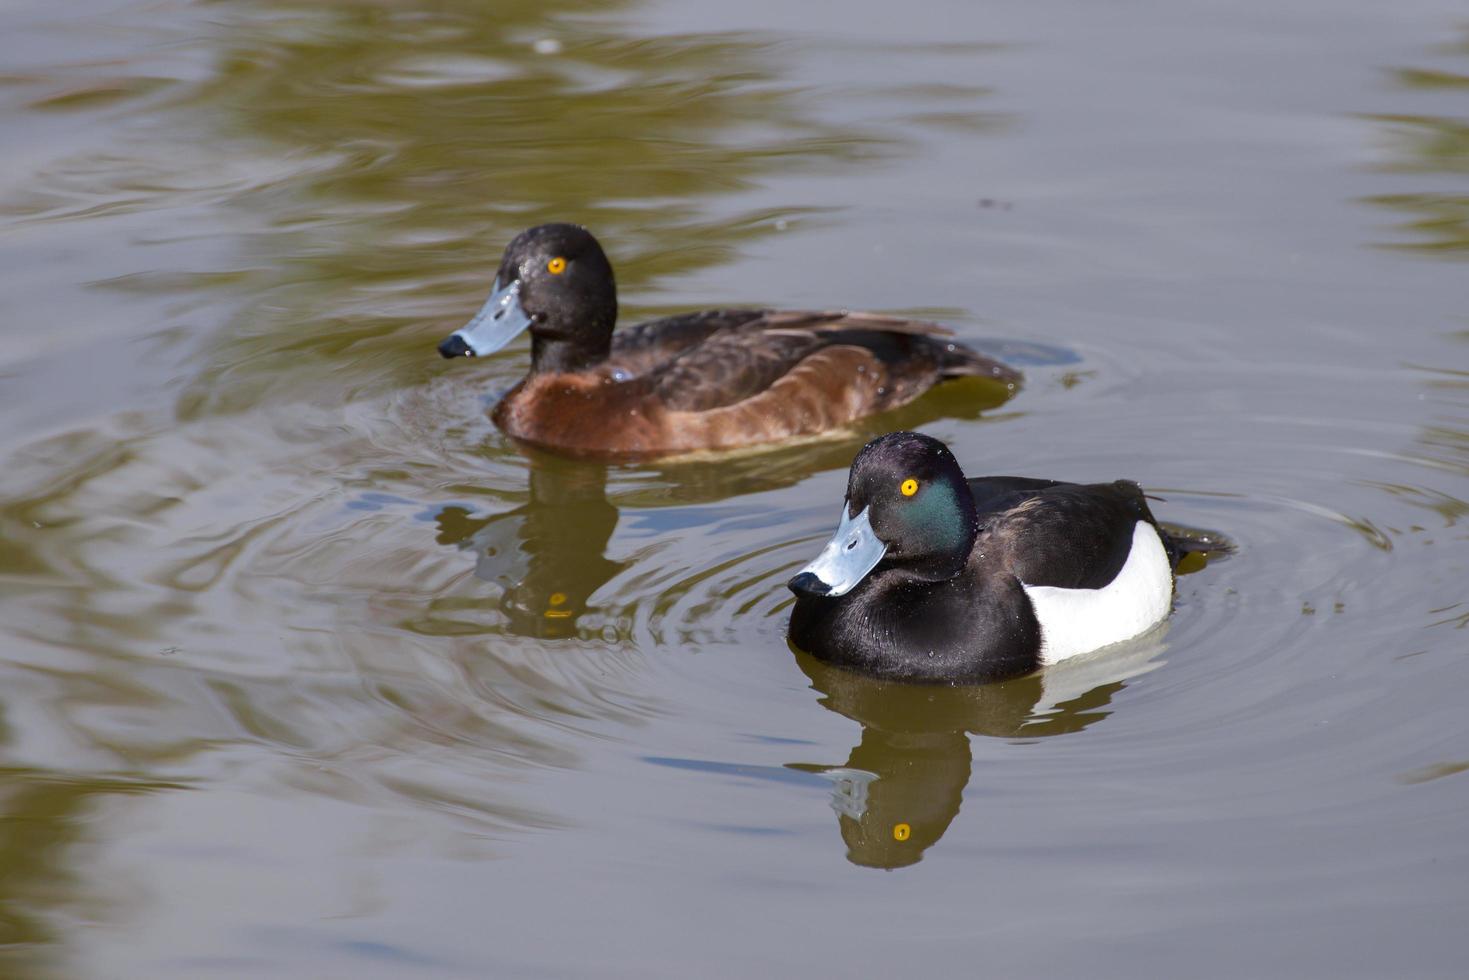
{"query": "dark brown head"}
(555, 280)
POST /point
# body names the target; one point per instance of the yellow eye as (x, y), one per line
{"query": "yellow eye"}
(556, 266)
(557, 598)
(901, 831)
(909, 487)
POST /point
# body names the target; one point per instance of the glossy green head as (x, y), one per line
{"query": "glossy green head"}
(918, 503)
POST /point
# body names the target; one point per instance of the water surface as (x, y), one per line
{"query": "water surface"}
(308, 671)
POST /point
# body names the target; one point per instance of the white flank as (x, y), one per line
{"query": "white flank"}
(1075, 621)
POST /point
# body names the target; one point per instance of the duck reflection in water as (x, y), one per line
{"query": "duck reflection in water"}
(903, 783)
(547, 555)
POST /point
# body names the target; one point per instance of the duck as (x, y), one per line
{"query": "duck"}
(932, 577)
(713, 380)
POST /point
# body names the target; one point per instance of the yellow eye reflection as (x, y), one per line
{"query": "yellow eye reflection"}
(557, 599)
(556, 266)
(902, 831)
(909, 488)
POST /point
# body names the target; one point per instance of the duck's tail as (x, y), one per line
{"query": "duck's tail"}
(1190, 548)
(958, 361)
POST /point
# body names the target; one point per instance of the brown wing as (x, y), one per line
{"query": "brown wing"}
(827, 389)
(823, 321)
(730, 367)
(652, 345)
(740, 360)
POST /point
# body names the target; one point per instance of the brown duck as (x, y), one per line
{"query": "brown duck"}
(719, 379)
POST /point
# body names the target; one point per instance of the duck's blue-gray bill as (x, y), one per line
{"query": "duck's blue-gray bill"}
(851, 553)
(497, 323)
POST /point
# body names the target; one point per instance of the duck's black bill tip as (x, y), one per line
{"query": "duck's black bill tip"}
(455, 347)
(807, 584)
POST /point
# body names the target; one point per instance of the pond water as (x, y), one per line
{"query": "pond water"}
(306, 671)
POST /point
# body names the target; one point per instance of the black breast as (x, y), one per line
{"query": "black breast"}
(894, 626)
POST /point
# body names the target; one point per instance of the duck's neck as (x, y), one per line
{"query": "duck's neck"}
(555, 355)
(926, 572)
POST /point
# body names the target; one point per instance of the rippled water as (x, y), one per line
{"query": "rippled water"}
(307, 671)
